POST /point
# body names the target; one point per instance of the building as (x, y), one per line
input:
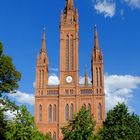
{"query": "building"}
(55, 105)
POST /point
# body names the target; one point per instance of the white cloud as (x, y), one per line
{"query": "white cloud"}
(133, 3)
(23, 98)
(53, 80)
(120, 88)
(105, 7)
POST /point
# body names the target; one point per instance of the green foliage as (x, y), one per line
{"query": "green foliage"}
(9, 76)
(120, 125)
(3, 124)
(81, 127)
(22, 127)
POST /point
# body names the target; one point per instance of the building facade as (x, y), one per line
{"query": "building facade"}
(55, 105)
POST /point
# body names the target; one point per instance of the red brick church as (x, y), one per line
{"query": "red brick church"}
(55, 105)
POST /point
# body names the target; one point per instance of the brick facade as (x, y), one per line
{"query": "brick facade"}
(55, 105)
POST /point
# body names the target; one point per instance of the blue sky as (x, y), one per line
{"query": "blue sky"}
(118, 24)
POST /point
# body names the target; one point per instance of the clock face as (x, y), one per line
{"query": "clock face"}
(68, 79)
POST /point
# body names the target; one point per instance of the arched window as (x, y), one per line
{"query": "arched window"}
(67, 52)
(67, 112)
(100, 76)
(97, 90)
(71, 111)
(40, 113)
(71, 52)
(54, 136)
(39, 78)
(84, 105)
(54, 113)
(97, 76)
(50, 113)
(42, 78)
(99, 112)
(89, 107)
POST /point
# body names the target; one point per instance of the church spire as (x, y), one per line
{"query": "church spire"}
(69, 4)
(43, 48)
(96, 44)
(86, 76)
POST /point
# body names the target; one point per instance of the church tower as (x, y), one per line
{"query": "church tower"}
(97, 71)
(42, 67)
(56, 104)
(69, 41)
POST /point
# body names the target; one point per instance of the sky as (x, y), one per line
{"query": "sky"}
(118, 25)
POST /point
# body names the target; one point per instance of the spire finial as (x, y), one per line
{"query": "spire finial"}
(44, 33)
(43, 49)
(86, 75)
(86, 71)
(70, 4)
(96, 44)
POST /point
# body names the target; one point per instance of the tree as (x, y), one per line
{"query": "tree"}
(3, 124)
(22, 127)
(81, 127)
(9, 76)
(120, 125)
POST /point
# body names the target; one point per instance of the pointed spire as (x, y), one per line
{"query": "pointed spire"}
(86, 76)
(70, 4)
(96, 44)
(43, 49)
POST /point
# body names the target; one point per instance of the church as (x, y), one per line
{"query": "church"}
(56, 104)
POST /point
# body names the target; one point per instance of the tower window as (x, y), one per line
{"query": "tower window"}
(67, 91)
(42, 78)
(100, 90)
(97, 76)
(40, 113)
(71, 91)
(54, 113)
(100, 76)
(97, 91)
(50, 113)
(99, 112)
(71, 52)
(41, 92)
(84, 105)
(67, 112)
(67, 52)
(71, 111)
(39, 78)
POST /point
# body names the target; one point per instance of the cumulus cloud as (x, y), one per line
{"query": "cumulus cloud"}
(108, 7)
(133, 3)
(23, 98)
(120, 88)
(105, 7)
(53, 80)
